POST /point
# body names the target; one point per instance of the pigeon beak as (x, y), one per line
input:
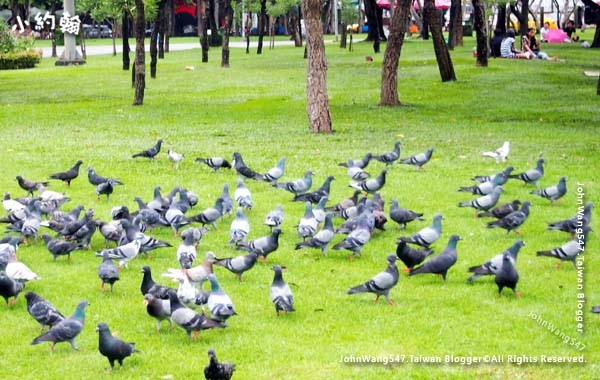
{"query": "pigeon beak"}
(145, 302)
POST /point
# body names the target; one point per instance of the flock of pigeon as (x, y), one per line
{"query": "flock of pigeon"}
(193, 308)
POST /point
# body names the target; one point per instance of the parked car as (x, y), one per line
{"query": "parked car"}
(101, 31)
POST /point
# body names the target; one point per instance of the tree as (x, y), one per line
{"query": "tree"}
(389, 71)
(140, 54)
(442, 54)
(480, 32)
(262, 19)
(228, 18)
(126, 19)
(455, 37)
(317, 101)
(592, 16)
(522, 13)
(202, 27)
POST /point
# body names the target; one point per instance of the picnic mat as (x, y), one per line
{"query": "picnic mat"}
(595, 74)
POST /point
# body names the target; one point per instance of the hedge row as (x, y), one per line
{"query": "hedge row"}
(21, 60)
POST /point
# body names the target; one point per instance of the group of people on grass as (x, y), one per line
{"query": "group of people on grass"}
(504, 46)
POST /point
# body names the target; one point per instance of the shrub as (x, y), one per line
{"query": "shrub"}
(20, 60)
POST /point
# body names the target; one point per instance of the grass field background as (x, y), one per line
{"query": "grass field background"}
(53, 116)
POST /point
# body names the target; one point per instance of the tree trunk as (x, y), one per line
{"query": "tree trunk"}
(159, 24)
(214, 23)
(140, 59)
(317, 102)
(522, 15)
(442, 54)
(262, 16)
(479, 27)
(455, 37)
(501, 19)
(225, 49)
(295, 27)
(596, 42)
(598, 87)
(125, 37)
(391, 58)
(344, 37)
(202, 24)
(153, 48)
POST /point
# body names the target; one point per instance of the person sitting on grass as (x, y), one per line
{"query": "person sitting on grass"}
(507, 48)
(544, 30)
(530, 44)
(571, 32)
(495, 43)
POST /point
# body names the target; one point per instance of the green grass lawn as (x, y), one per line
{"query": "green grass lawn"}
(53, 116)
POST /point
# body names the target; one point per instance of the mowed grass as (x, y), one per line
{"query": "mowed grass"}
(53, 116)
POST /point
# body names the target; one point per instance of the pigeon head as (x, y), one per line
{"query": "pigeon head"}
(210, 256)
(454, 239)
(102, 327)
(391, 259)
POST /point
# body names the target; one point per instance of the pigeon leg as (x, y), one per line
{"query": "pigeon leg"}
(377, 298)
(558, 266)
(406, 270)
(195, 336)
(72, 341)
(391, 302)
(102, 286)
(518, 294)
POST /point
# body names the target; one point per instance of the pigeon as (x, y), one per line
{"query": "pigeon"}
(197, 234)
(570, 250)
(345, 204)
(381, 283)
(67, 329)
(17, 270)
(149, 216)
(159, 309)
(215, 163)
(371, 185)
(315, 196)
(148, 285)
(28, 185)
(243, 170)
(390, 157)
(357, 238)
(418, 160)
(174, 216)
(242, 195)
(175, 158)
(227, 201)
(507, 276)
(105, 188)
(485, 188)
(501, 211)
(276, 172)
(9, 288)
(322, 238)
(596, 309)
(428, 235)
(582, 218)
(308, 224)
(493, 265)
(125, 253)
(487, 178)
(111, 347)
(319, 210)
(275, 217)
(95, 179)
(158, 203)
(31, 223)
(42, 310)
(440, 263)
(485, 202)
(217, 371)
(553, 193)
(107, 271)
(11, 205)
(411, 256)
(500, 154)
(359, 163)
(280, 292)
(298, 186)
(238, 265)
(68, 175)
(211, 214)
(188, 319)
(531, 175)
(189, 295)
(133, 229)
(150, 152)
(356, 173)
(262, 246)
(240, 227)
(513, 220)
(60, 247)
(186, 252)
(219, 303)
(196, 275)
(403, 216)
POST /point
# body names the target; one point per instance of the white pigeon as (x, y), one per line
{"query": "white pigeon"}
(11, 205)
(500, 154)
(19, 271)
(175, 157)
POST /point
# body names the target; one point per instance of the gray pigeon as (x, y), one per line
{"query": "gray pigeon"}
(570, 250)
(238, 265)
(219, 303)
(263, 246)
(428, 235)
(151, 152)
(96, 179)
(274, 218)
(403, 216)
(240, 227)
(485, 188)
(356, 173)
(582, 218)
(280, 293)
(358, 237)
(371, 185)
(298, 186)
(381, 283)
(440, 263)
(242, 195)
(308, 223)
(507, 276)
(105, 188)
(553, 193)
(186, 252)
(493, 265)
(390, 157)
(360, 162)
(217, 371)
(227, 201)
(418, 160)
(490, 178)
(322, 238)
(28, 185)
(240, 167)
(111, 347)
(9, 288)
(60, 247)
(276, 172)
(66, 330)
(159, 309)
(531, 175)
(215, 163)
(125, 253)
(319, 210)
(501, 211)
(513, 220)
(149, 286)
(107, 271)
(485, 202)
(188, 319)
(315, 196)
(68, 175)
(174, 216)
(42, 310)
(210, 215)
(411, 257)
